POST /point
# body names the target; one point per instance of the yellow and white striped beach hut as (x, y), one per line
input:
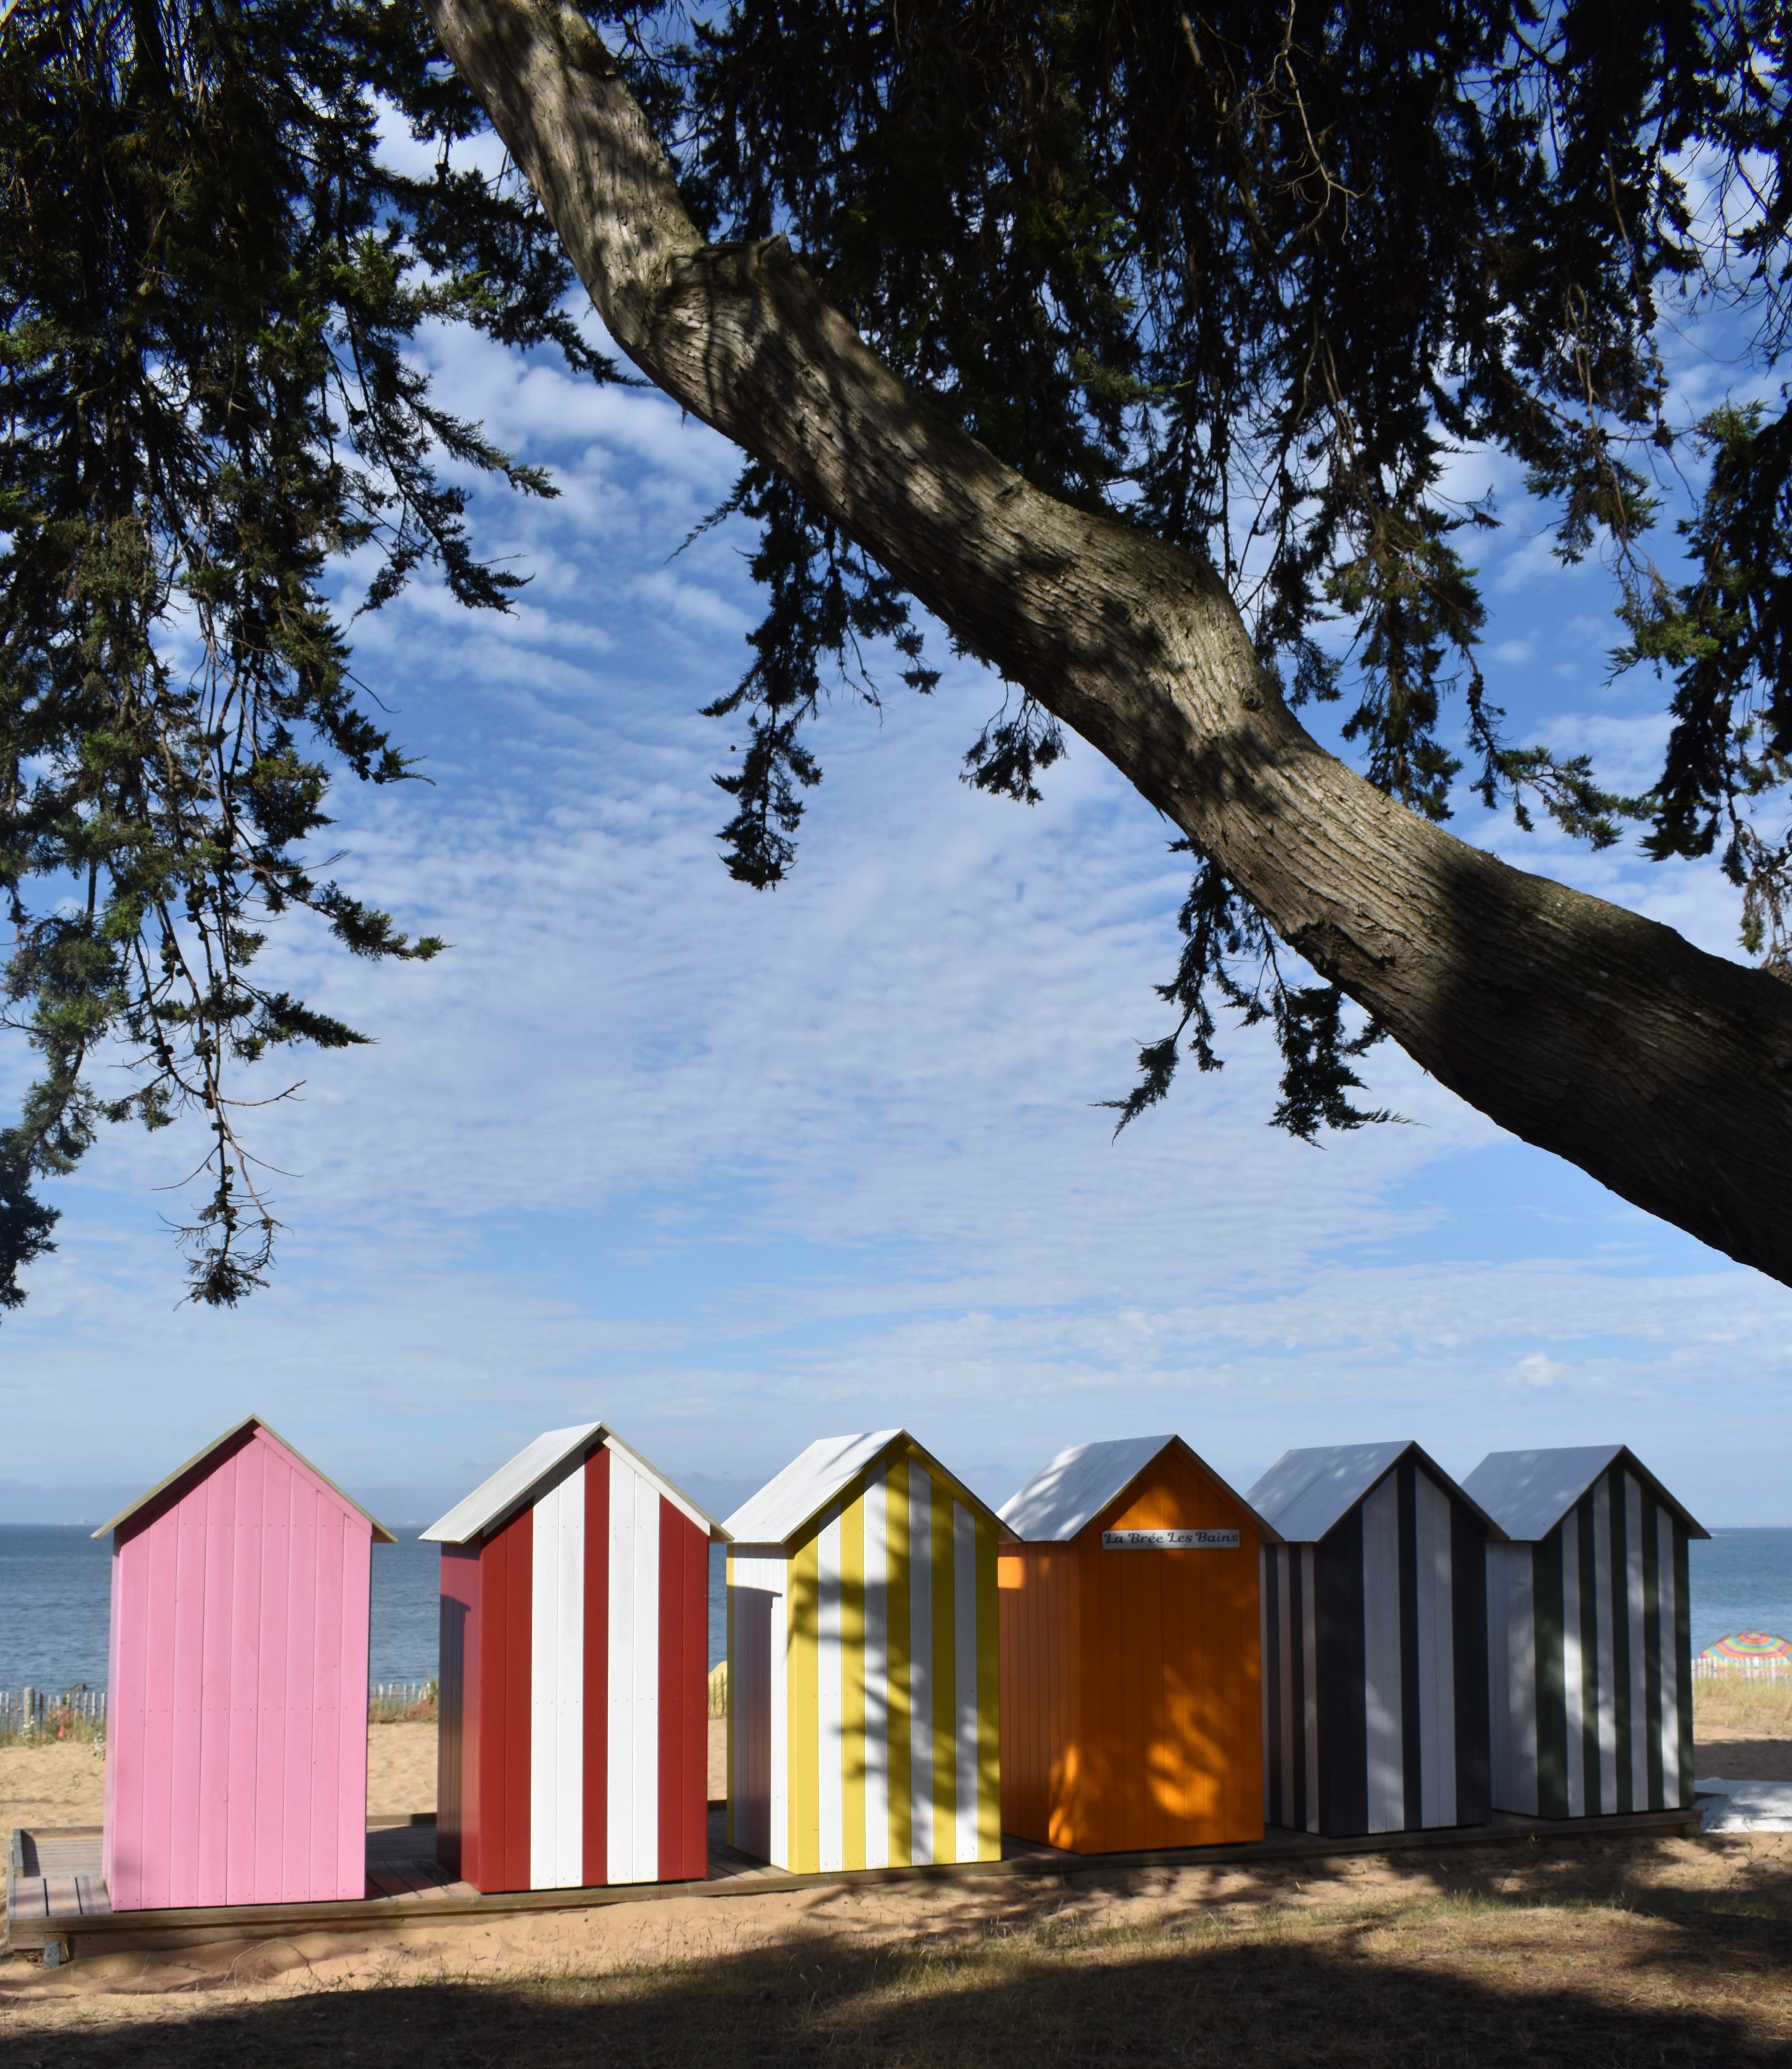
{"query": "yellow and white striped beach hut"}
(864, 1712)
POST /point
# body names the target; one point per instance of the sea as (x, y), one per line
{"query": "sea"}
(54, 1601)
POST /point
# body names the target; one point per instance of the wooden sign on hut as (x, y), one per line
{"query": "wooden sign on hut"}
(236, 1727)
(573, 1740)
(864, 1709)
(1590, 1633)
(1375, 1700)
(1132, 1711)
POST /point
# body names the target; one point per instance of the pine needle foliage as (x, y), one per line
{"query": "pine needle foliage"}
(1244, 274)
(207, 283)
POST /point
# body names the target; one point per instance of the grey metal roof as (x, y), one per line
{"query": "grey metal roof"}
(494, 1500)
(1306, 1493)
(381, 1535)
(813, 1478)
(1060, 1498)
(1529, 1492)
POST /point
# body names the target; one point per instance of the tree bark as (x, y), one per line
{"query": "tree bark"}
(1589, 1031)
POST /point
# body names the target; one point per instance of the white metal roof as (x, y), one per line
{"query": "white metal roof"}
(1529, 1492)
(1305, 1493)
(1061, 1497)
(381, 1535)
(813, 1478)
(494, 1500)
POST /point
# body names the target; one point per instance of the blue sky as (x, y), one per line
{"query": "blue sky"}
(735, 1170)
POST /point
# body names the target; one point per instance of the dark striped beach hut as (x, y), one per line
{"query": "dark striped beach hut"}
(1374, 1642)
(1590, 1631)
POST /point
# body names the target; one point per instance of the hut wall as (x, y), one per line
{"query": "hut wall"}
(236, 1748)
(573, 1737)
(887, 1629)
(1590, 1655)
(1375, 1709)
(1132, 1712)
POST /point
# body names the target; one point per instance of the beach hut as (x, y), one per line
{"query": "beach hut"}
(236, 1726)
(1131, 1714)
(864, 1713)
(573, 1740)
(1590, 1634)
(1375, 1713)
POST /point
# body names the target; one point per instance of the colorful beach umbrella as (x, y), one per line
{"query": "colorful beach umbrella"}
(1752, 1648)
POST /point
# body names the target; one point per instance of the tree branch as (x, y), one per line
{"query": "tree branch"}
(1664, 1071)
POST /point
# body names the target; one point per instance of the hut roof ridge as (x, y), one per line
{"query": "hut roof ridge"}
(1062, 1496)
(797, 1496)
(381, 1535)
(504, 1491)
(1307, 1492)
(1529, 1492)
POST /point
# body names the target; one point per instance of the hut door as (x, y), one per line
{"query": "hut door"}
(750, 1703)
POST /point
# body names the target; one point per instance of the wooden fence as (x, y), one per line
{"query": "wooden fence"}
(45, 1713)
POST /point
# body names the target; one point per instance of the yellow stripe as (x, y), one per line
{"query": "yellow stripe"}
(896, 1498)
(945, 1704)
(852, 1682)
(989, 1700)
(804, 1711)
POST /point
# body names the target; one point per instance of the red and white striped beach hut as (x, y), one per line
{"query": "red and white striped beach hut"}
(236, 1731)
(575, 1676)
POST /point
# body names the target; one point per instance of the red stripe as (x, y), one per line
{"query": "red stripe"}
(597, 1667)
(684, 1683)
(507, 1570)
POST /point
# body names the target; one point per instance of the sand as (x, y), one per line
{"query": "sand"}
(66, 1784)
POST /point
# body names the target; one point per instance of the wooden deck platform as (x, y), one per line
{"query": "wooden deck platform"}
(56, 1895)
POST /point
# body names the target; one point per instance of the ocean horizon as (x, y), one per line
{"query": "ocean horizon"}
(56, 1586)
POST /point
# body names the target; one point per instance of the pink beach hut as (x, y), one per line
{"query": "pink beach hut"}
(236, 1729)
(574, 1741)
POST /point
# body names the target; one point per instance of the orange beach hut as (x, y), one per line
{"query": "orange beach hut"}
(1132, 1708)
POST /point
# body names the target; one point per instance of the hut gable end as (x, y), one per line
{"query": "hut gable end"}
(1528, 1493)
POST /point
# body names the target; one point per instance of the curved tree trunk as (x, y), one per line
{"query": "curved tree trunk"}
(1665, 1072)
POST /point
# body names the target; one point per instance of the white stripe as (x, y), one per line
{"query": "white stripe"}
(1573, 1664)
(633, 1831)
(964, 1606)
(557, 1687)
(1608, 1672)
(778, 1810)
(920, 1664)
(877, 1675)
(1381, 1595)
(1309, 1723)
(1670, 1663)
(1639, 1649)
(1437, 1655)
(829, 1751)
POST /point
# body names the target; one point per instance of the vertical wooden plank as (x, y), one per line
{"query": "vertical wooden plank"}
(299, 1633)
(1634, 1757)
(1556, 1736)
(595, 1787)
(802, 1724)
(122, 1694)
(898, 1582)
(1615, 1606)
(634, 1821)
(1383, 1662)
(1606, 1596)
(1343, 1676)
(1683, 1658)
(323, 1861)
(922, 1666)
(251, 1675)
(211, 1833)
(989, 1698)
(1309, 1675)
(876, 1587)
(854, 1761)
(457, 1798)
(831, 1749)
(1469, 1750)
(1649, 1722)
(557, 1682)
(945, 1678)
(966, 1766)
(683, 1684)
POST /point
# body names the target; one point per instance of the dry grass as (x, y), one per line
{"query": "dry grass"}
(1758, 1709)
(1455, 1983)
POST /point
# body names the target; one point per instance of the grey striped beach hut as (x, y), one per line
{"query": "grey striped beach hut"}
(1374, 1647)
(1591, 1641)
